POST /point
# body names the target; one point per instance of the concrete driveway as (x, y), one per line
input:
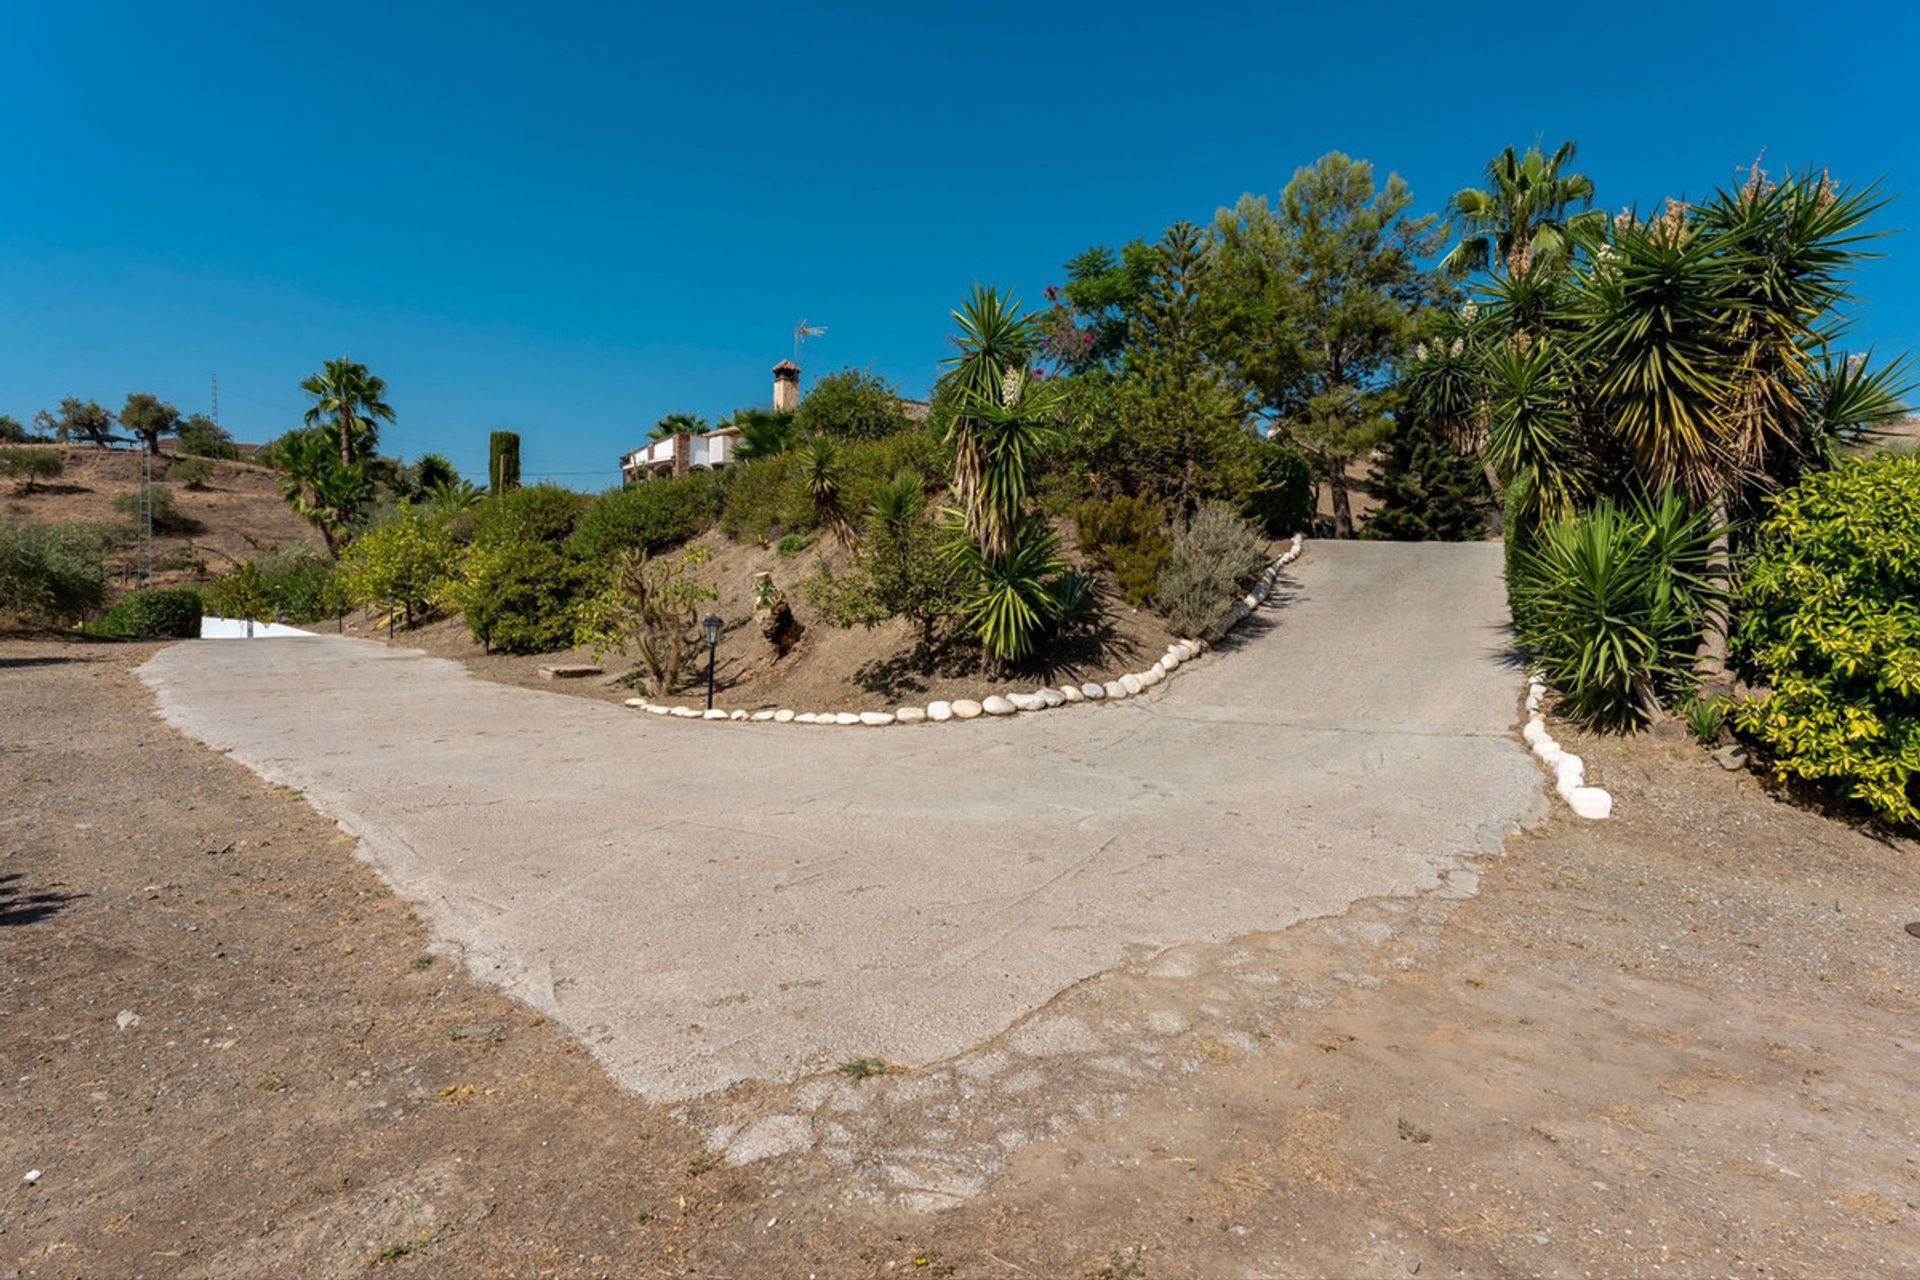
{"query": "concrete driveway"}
(705, 903)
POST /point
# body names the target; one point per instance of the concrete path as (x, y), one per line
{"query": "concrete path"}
(704, 903)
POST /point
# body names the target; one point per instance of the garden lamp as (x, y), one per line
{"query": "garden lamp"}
(711, 625)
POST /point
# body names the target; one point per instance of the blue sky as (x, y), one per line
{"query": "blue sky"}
(571, 219)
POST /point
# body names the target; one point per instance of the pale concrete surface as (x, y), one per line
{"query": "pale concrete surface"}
(705, 903)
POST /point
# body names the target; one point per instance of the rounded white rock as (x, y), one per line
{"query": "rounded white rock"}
(1570, 769)
(966, 709)
(657, 709)
(1132, 683)
(1150, 677)
(995, 705)
(738, 714)
(784, 715)
(846, 717)
(686, 713)
(1094, 692)
(636, 702)
(805, 717)
(875, 719)
(713, 713)
(1171, 662)
(910, 715)
(939, 712)
(1590, 802)
(1072, 693)
(1535, 729)
(1050, 697)
(1115, 689)
(761, 717)
(1026, 702)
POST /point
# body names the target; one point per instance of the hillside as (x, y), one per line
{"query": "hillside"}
(238, 513)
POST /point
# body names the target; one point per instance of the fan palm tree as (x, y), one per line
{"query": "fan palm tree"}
(1521, 220)
(763, 432)
(321, 491)
(349, 401)
(677, 424)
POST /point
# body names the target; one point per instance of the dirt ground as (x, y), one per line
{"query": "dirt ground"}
(832, 669)
(1681, 1042)
(237, 514)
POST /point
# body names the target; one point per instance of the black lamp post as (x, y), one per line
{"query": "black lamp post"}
(711, 624)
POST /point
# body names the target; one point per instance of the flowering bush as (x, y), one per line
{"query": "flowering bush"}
(1831, 627)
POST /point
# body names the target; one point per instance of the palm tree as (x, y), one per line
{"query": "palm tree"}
(763, 432)
(326, 494)
(820, 477)
(1521, 219)
(677, 424)
(348, 400)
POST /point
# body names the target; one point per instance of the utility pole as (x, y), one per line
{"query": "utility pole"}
(145, 556)
(216, 400)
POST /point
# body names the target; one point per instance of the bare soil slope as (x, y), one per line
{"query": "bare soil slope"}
(238, 513)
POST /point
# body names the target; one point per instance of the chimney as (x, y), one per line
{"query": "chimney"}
(786, 387)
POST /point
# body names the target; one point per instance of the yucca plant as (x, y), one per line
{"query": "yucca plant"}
(820, 476)
(1608, 605)
(1007, 601)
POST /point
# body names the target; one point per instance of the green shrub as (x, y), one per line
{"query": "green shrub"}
(1128, 535)
(764, 500)
(192, 472)
(31, 466)
(1282, 497)
(167, 515)
(300, 584)
(1216, 556)
(160, 612)
(851, 405)
(649, 516)
(52, 572)
(405, 562)
(1609, 605)
(519, 597)
(1429, 491)
(793, 544)
(1831, 627)
(541, 513)
(201, 437)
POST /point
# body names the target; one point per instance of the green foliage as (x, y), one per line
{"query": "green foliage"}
(820, 478)
(11, 432)
(652, 606)
(1831, 628)
(77, 420)
(1319, 301)
(540, 513)
(1087, 320)
(201, 437)
(1008, 601)
(763, 432)
(764, 499)
(1281, 498)
(902, 571)
(1610, 603)
(31, 465)
(167, 515)
(349, 404)
(852, 405)
(1705, 717)
(298, 584)
(1128, 536)
(675, 424)
(405, 562)
(1216, 556)
(149, 417)
(793, 544)
(503, 461)
(313, 482)
(1520, 220)
(51, 573)
(192, 472)
(1429, 491)
(520, 595)
(650, 516)
(157, 613)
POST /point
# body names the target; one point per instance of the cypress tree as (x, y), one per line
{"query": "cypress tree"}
(503, 461)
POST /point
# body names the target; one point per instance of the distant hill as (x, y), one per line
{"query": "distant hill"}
(237, 514)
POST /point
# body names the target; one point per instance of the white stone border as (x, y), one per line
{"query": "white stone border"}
(1569, 770)
(1007, 704)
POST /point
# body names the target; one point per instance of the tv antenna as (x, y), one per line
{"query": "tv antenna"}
(803, 331)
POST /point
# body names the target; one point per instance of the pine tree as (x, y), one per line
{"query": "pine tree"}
(1429, 491)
